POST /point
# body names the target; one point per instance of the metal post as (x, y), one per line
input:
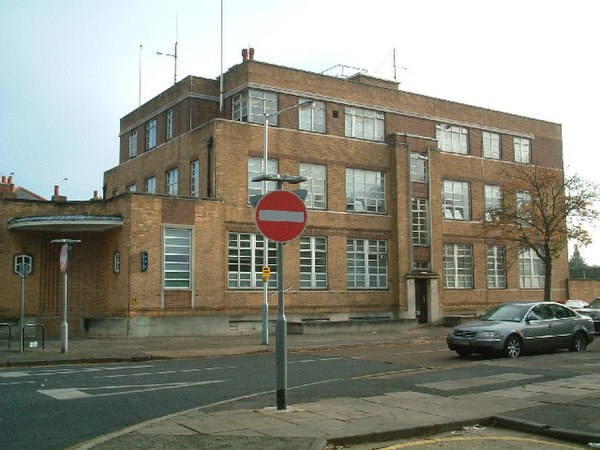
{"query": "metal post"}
(281, 351)
(64, 326)
(265, 310)
(22, 309)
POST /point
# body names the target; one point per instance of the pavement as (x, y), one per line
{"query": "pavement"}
(329, 423)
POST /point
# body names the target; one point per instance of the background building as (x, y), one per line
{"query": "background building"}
(398, 189)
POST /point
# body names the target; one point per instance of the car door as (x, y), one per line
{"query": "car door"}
(562, 325)
(538, 328)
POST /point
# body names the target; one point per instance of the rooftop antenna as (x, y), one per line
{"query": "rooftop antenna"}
(394, 65)
(174, 54)
(140, 79)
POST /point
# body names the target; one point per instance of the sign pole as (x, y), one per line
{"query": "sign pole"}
(64, 326)
(22, 275)
(281, 351)
(64, 268)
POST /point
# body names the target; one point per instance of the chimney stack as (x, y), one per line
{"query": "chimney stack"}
(244, 54)
(57, 197)
(251, 53)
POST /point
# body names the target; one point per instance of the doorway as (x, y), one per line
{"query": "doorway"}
(421, 305)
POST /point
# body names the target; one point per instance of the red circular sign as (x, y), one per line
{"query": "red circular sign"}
(281, 216)
(64, 258)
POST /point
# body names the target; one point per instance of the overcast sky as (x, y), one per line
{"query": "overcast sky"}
(70, 68)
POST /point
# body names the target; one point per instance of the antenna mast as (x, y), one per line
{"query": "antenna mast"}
(172, 55)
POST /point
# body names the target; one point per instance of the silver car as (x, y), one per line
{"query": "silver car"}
(512, 328)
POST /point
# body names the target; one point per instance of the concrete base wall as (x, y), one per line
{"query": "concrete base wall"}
(156, 326)
(351, 326)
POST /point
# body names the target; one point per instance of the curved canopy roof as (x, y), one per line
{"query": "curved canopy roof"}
(66, 223)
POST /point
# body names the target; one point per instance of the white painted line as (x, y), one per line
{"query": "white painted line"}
(269, 215)
(76, 393)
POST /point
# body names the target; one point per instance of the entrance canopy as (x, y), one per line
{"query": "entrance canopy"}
(66, 223)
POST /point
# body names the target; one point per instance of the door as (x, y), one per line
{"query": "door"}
(421, 305)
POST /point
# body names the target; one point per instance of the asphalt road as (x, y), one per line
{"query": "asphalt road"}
(56, 407)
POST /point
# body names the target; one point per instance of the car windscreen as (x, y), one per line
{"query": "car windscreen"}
(507, 313)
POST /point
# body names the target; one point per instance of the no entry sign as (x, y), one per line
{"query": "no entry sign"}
(64, 258)
(281, 216)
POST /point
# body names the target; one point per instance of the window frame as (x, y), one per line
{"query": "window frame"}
(496, 267)
(250, 254)
(420, 221)
(363, 123)
(372, 273)
(195, 178)
(172, 181)
(315, 185)
(253, 104)
(491, 144)
(522, 150)
(173, 261)
(532, 273)
(493, 200)
(312, 118)
(255, 168)
(359, 183)
(169, 125)
(313, 276)
(419, 172)
(456, 201)
(458, 266)
(452, 138)
(133, 143)
(150, 185)
(151, 138)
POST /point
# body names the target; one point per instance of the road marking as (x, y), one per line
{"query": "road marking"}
(69, 371)
(442, 441)
(15, 383)
(77, 393)
(165, 372)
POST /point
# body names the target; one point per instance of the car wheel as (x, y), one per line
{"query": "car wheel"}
(513, 347)
(464, 352)
(579, 342)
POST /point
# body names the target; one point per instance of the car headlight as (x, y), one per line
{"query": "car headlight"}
(488, 335)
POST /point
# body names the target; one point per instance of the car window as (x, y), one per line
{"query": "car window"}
(540, 312)
(561, 312)
(507, 313)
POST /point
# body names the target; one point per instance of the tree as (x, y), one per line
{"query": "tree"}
(541, 211)
(577, 261)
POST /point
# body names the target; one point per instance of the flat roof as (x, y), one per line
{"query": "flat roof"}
(66, 223)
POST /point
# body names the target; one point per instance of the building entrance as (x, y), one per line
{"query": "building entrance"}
(421, 303)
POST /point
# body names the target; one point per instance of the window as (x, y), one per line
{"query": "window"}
(169, 124)
(133, 144)
(496, 267)
(452, 138)
(246, 260)
(172, 182)
(131, 188)
(316, 185)
(458, 266)
(252, 105)
(491, 145)
(420, 221)
(418, 167)
(195, 178)
(524, 206)
(365, 191)
(150, 185)
(522, 150)
(313, 263)
(493, 201)
(117, 262)
(177, 264)
(364, 124)
(255, 168)
(531, 270)
(456, 200)
(367, 264)
(151, 134)
(312, 118)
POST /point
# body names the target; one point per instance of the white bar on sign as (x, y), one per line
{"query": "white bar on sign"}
(269, 215)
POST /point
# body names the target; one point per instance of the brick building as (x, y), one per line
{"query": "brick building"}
(398, 189)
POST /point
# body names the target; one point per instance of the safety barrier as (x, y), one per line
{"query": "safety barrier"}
(35, 325)
(4, 324)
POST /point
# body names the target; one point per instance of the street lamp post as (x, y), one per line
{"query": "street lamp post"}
(265, 167)
(65, 254)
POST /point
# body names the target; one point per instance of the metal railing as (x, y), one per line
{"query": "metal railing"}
(34, 325)
(7, 325)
